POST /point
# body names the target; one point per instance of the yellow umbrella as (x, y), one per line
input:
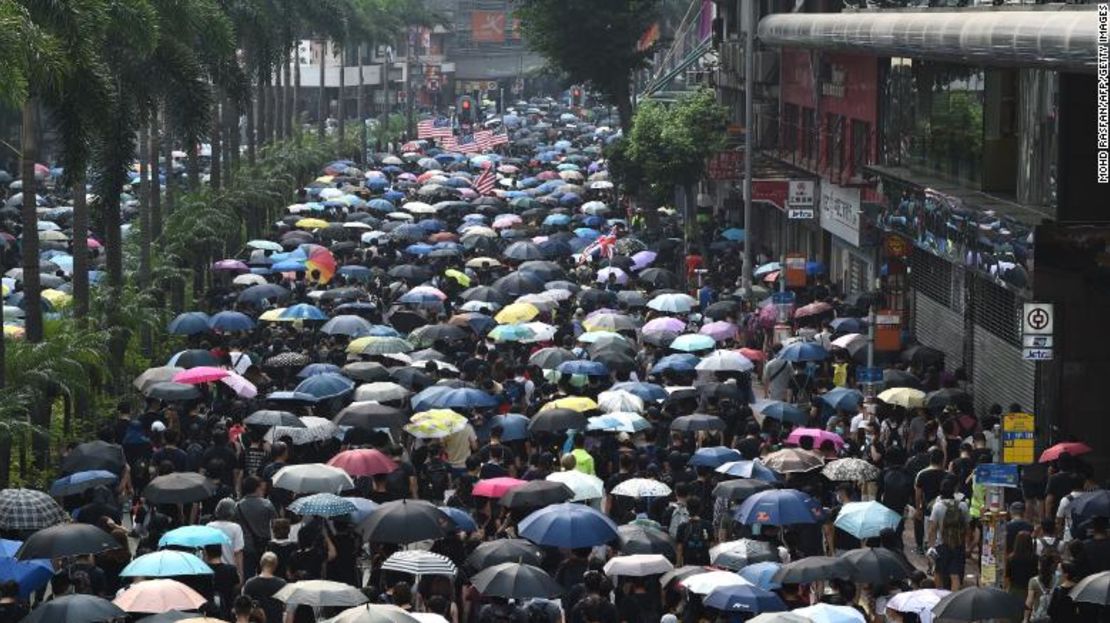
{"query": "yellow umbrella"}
(906, 397)
(325, 179)
(460, 277)
(53, 235)
(517, 312)
(57, 298)
(435, 424)
(574, 403)
(14, 332)
(273, 315)
(483, 262)
(4, 290)
(357, 345)
(311, 223)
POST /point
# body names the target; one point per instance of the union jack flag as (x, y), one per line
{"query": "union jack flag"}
(486, 181)
(605, 246)
(439, 127)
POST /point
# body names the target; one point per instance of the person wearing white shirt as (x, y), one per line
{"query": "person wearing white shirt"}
(225, 522)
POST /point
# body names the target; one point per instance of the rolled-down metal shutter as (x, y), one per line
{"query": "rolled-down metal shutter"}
(999, 374)
(939, 327)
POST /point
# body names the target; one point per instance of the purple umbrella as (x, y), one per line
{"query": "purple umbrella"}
(643, 259)
(660, 325)
(231, 265)
(619, 275)
(720, 330)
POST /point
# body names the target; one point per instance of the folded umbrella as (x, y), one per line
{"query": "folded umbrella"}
(512, 580)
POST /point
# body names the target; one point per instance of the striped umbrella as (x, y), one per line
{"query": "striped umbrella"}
(419, 563)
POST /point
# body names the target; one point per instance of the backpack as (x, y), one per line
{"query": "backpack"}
(695, 549)
(513, 391)
(1040, 608)
(436, 480)
(952, 525)
(679, 516)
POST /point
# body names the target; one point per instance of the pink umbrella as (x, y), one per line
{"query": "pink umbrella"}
(363, 462)
(816, 434)
(720, 330)
(436, 292)
(93, 243)
(231, 265)
(619, 275)
(600, 312)
(242, 387)
(200, 374)
(812, 309)
(158, 596)
(643, 259)
(666, 323)
(753, 354)
(496, 487)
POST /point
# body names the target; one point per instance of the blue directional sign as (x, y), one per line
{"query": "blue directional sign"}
(997, 475)
(869, 375)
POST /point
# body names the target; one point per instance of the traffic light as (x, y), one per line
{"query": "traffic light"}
(465, 106)
(576, 98)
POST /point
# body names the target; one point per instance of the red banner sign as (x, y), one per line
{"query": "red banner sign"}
(725, 165)
(773, 192)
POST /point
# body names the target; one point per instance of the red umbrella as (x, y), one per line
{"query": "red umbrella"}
(363, 462)
(496, 487)
(752, 354)
(200, 374)
(1074, 448)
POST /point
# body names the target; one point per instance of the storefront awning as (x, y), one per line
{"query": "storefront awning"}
(1056, 38)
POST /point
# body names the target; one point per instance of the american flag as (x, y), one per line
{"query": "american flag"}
(463, 144)
(605, 245)
(439, 127)
(499, 138)
(486, 180)
(484, 138)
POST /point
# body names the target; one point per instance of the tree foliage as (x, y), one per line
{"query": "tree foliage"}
(592, 41)
(669, 144)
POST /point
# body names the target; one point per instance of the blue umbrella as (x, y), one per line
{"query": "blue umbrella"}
(314, 369)
(842, 398)
(382, 330)
(393, 195)
(583, 367)
(464, 398)
(462, 520)
(323, 505)
(363, 508)
(848, 325)
(231, 321)
(744, 598)
(766, 269)
(381, 205)
(325, 386)
(30, 575)
(8, 548)
(189, 323)
(303, 311)
(692, 342)
(556, 220)
(514, 426)
(715, 456)
(779, 507)
(866, 520)
(803, 351)
(762, 574)
(569, 526)
(645, 391)
(421, 248)
(419, 298)
(80, 482)
(781, 411)
(683, 362)
(349, 325)
(749, 469)
(422, 400)
(356, 272)
(165, 564)
(288, 266)
(194, 537)
(292, 397)
(588, 233)
(733, 234)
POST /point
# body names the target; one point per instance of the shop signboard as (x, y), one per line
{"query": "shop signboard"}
(840, 212)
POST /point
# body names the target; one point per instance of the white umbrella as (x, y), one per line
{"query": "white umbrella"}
(641, 488)
(543, 332)
(418, 562)
(316, 429)
(427, 617)
(637, 565)
(381, 392)
(320, 594)
(673, 303)
(619, 400)
(380, 613)
(919, 602)
(725, 361)
(248, 279)
(850, 341)
(159, 374)
(705, 583)
(584, 486)
(313, 478)
(828, 613)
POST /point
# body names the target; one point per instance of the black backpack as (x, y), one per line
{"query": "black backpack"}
(695, 549)
(897, 489)
(436, 480)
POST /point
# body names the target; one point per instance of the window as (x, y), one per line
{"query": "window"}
(809, 134)
(834, 143)
(861, 145)
(789, 128)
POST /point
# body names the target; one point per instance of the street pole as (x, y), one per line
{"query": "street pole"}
(748, 25)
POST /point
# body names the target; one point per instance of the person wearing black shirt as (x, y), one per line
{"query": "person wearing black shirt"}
(619, 505)
(1015, 525)
(1061, 483)
(12, 608)
(751, 443)
(170, 452)
(225, 582)
(261, 588)
(220, 462)
(926, 489)
(1096, 550)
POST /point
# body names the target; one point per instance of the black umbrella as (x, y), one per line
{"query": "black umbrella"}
(519, 283)
(615, 360)
(484, 294)
(548, 271)
(429, 334)
(1088, 505)
(406, 321)
(1093, 589)
(500, 551)
(95, 455)
(75, 609)
(923, 356)
(513, 580)
(405, 521)
(893, 377)
(659, 338)
(179, 488)
(263, 292)
(637, 539)
(273, 417)
(740, 489)
(522, 251)
(979, 604)
(876, 565)
(411, 377)
(366, 371)
(550, 358)
(171, 392)
(938, 400)
(681, 573)
(813, 569)
(371, 416)
(194, 358)
(658, 278)
(537, 494)
(721, 310)
(66, 540)
(697, 421)
(410, 273)
(557, 421)
(593, 298)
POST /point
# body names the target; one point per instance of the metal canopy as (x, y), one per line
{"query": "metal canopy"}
(1063, 40)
